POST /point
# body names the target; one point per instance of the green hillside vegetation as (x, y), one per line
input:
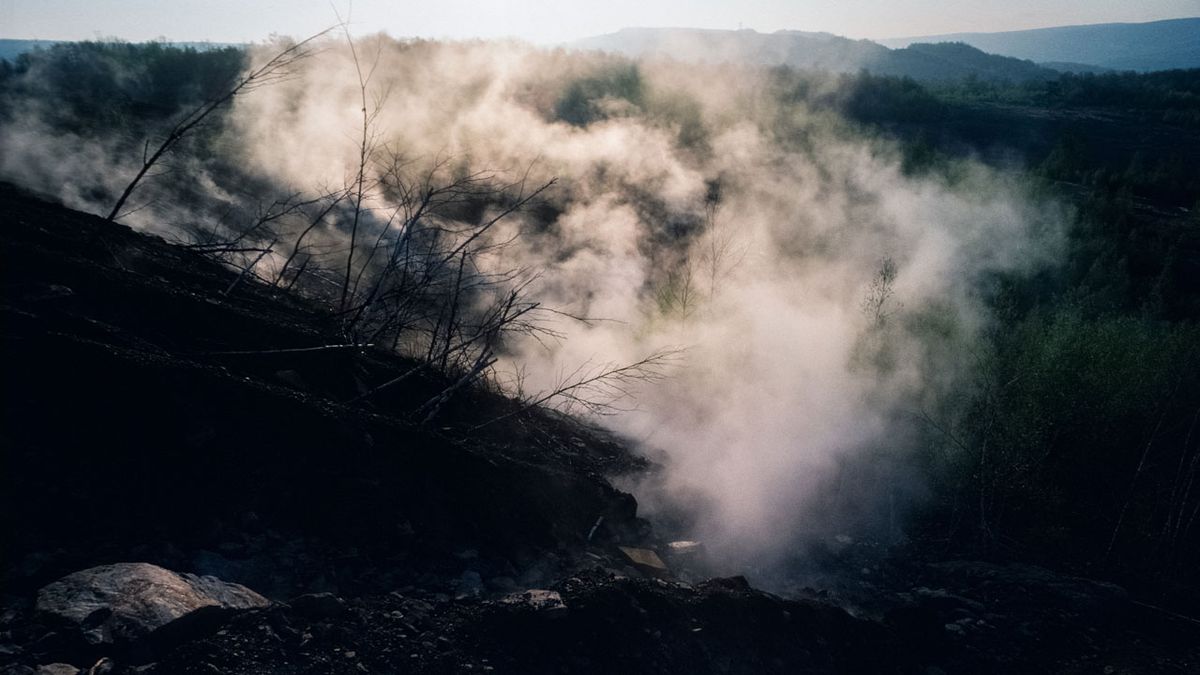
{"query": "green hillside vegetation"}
(98, 87)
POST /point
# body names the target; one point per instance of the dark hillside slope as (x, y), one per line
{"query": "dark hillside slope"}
(127, 419)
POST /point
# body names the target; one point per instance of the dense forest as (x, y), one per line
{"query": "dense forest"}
(1069, 436)
(1091, 369)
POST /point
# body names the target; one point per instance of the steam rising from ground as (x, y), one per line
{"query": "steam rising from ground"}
(696, 209)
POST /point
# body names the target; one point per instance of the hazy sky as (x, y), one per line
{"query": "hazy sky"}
(549, 21)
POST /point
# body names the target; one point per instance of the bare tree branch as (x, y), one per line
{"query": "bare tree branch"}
(271, 71)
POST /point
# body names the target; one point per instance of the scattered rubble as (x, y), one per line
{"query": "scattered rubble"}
(646, 561)
(549, 603)
(318, 605)
(685, 549)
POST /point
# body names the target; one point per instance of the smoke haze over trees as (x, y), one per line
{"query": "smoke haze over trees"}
(886, 318)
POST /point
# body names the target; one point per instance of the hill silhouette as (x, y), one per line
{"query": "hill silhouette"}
(816, 51)
(1156, 45)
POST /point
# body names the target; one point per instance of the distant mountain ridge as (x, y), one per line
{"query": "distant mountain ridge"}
(821, 51)
(1156, 45)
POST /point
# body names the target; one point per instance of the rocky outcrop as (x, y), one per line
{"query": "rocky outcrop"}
(122, 604)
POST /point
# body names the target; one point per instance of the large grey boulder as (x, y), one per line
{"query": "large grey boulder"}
(124, 603)
(57, 669)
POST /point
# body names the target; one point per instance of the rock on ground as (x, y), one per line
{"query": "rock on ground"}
(126, 602)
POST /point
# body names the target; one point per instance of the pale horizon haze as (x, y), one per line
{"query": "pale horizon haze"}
(545, 22)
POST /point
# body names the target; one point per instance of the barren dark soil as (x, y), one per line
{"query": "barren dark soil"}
(152, 415)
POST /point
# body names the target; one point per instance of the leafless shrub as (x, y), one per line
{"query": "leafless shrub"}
(699, 274)
(881, 290)
(398, 250)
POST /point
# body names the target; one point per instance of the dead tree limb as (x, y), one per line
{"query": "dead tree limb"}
(598, 390)
(291, 350)
(365, 150)
(271, 71)
(434, 405)
(249, 268)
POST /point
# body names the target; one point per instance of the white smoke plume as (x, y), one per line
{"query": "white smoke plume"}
(696, 208)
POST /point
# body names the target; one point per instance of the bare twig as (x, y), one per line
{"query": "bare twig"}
(598, 389)
(291, 350)
(271, 71)
(248, 269)
(434, 405)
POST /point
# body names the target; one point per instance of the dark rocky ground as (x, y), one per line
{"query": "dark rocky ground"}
(132, 433)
